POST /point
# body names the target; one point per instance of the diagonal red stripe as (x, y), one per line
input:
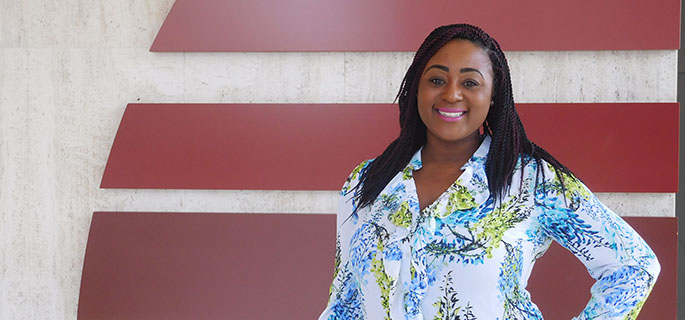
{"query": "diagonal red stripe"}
(400, 25)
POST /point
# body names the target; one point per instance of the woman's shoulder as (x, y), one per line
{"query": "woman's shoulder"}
(544, 172)
(547, 179)
(355, 176)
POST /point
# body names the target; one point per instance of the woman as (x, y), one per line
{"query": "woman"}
(448, 221)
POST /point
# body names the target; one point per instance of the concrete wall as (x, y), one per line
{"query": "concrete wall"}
(68, 69)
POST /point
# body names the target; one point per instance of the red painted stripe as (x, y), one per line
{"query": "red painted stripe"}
(288, 147)
(206, 266)
(229, 266)
(622, 147)
(401, 25)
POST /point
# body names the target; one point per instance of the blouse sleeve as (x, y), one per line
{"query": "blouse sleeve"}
(623, 265)
(343, 294)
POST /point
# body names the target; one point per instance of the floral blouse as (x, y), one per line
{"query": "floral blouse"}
(465, 257)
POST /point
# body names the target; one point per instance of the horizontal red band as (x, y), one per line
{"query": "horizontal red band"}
(206, 266)
(621, 147)
(227, 266)
(287, 147)
(401, 25)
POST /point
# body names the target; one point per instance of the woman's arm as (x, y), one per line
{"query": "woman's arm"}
(615, 255)
(343, 301)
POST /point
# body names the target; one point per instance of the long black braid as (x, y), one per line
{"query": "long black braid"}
(509, 140)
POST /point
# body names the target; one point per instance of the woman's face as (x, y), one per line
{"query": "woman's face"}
(455, 91)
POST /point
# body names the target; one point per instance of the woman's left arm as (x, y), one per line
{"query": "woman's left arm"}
(621, 262)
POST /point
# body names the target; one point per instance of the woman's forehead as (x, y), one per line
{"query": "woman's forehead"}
(460, 53)
(459, 50)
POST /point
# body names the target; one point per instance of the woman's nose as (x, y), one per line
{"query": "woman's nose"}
(452, 94)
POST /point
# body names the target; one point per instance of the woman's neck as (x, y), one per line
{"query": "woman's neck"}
(441, 152)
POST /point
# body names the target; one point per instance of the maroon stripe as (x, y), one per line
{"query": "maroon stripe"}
(301, 147)
(621, 147)
(401, 25)
(206, 266)
(229, 266)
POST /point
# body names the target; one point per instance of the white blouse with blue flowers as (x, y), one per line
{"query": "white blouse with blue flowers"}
(464, 257)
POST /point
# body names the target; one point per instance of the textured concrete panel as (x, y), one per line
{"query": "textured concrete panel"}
(239, 201)
(15, 228)
(12, 27)
(264, 77)
(272, 201)
(141, 20)
(594, 76)
(36, 208)
(573, 76)
(60, 118)
(640, 204)
(144, 76)
(75, 24)
(374, 76)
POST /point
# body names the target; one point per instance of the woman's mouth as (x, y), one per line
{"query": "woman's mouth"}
(450, 114)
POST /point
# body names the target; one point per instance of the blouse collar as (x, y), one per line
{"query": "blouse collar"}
(478, 157)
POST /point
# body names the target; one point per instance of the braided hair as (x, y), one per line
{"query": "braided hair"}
(509, 140)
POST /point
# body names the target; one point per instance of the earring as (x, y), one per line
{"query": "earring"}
(492, 102)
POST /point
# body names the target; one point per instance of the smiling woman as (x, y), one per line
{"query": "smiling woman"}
(453, 100)
(448, 221)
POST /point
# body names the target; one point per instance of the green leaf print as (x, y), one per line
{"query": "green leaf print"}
(492, 227)
(572, 188)
(632, 315)
(382, 279)
(354, 176)
(336, 270)
(401, 217)
(407, 173)
(460, 199)
(448, 307)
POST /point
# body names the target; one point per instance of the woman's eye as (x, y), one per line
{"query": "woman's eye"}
(437, 81)
(470, 83)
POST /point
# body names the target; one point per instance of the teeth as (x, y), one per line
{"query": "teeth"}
(451, 114)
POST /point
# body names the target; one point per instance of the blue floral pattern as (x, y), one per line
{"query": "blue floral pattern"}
(468, 257)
